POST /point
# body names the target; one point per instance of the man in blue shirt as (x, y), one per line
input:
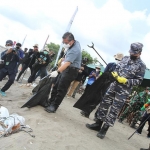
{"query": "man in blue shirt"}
(68, 71)
(93, 76)
(11, 59)
(20, 54)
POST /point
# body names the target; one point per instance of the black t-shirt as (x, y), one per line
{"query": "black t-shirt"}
(82, 74)
(30, 58)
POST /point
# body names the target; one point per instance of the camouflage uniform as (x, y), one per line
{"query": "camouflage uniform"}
(117, 93)
(134, 106)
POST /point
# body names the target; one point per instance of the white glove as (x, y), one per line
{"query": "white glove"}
(54, 74)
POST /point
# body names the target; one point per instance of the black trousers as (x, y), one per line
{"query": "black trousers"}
(143, 119)
(90, 106)
(34, 72)
(87, 87)
(62, 84)
(24, 67)
(10, 81)
(42, 73)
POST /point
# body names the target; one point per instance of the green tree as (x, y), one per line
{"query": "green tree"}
(138, 89)
(95, 61)
(55, 48)
(87, 55)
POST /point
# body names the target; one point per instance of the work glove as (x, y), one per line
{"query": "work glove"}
(54, 74)
(115, 74)
(118, 78)
(122, 80)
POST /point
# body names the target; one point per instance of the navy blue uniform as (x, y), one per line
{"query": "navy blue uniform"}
(9, 69)
(117, 93)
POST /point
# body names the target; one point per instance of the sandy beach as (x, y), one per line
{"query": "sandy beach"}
(63, 130)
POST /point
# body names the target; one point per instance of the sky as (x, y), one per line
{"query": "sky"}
(112, 25)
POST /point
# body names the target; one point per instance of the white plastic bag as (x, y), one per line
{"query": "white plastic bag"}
(4, 113)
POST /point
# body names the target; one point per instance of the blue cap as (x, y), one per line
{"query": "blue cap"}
(9, 42)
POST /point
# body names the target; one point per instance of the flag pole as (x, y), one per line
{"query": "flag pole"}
(45, 42)
(67, 30)
(24, 40)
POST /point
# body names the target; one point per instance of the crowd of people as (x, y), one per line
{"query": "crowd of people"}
(14, 56)
(72, 70)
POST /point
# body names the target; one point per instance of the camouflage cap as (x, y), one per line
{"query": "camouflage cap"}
(136, 48)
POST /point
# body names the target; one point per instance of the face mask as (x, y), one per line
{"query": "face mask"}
(133, 57)
(97, 70)
(8, 47)
(66, 46)
(45, 52)
(17, 47)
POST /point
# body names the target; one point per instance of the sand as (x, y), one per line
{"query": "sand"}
(63, 130)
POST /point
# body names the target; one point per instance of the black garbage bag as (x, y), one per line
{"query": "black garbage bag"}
(42, 82)
(94, 94)
(41, 94)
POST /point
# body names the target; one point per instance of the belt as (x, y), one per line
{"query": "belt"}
(74, 68)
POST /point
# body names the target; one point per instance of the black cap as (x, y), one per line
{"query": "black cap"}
(18, 44)
(9, 42)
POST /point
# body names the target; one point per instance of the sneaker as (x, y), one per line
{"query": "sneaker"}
(3, 93)
(68, 97)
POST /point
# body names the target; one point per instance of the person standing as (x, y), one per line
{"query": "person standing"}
(83, 73)
(145, 118)
(93, 76)
(68, 71)
(28, 60)
(134, 107)
(86, 104)
(42, 60)
(20, 54)
(128, 73)
(11, 59)
(19, 51)
(25, 50)
(75, 83)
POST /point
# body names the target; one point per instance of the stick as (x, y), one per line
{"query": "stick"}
(97, 52)
(138, 128)
(45, 42)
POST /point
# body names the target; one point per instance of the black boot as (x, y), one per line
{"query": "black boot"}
(85, 114)
(103, 131)
(95, 126)
(51, 109)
